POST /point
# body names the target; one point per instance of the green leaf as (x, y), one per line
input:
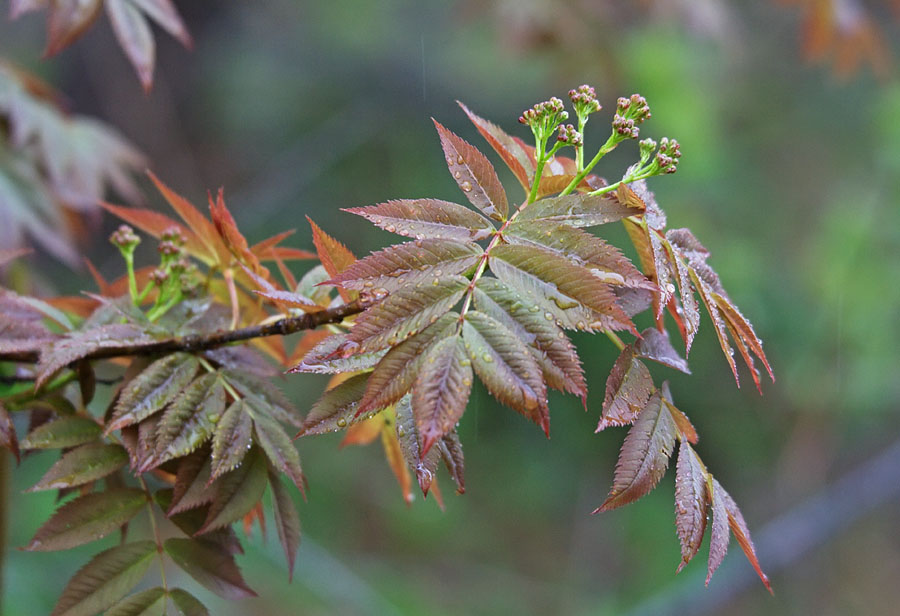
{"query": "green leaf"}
(337, 407)
(408, 438)
(603, 260)
(325, 358)
(153, 389)
(509, 148)
(8, 439)
(77, 345)
(628, 388)
(83, 465)
(232, 439)
(287, 522)
(691, 502)
(505, 366)
(187, 604)
(644, 456)
(150, 602)
(87, 518)
(406, 264)
(427, 219)
(442, 390)
(474, 173)
(105, 579)
(395, 374)
(403, 314)
(278, 446)
(211, 566)
(552, 349)
(67, 431)
(268, 394)
(578, 210)
(237, 492)
(190, 420)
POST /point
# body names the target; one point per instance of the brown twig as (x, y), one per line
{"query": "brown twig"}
(201, 342)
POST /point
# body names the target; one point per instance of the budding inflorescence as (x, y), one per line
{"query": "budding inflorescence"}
(569, 136)
(544, 117)
(125, 238)
(630, 112)
(668, 155)
(584, 99)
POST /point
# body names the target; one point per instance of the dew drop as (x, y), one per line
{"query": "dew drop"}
(466, 186)
(487, 358)
(548, 316)
(460, 160)
(534, 308)
(390, 228)
(457, 175)
(342, 422)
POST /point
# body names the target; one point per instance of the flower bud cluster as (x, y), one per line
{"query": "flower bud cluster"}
(630, 112)
(584, 99)
(569, 136)
(544, 117)
(125, 238)
(668, 155)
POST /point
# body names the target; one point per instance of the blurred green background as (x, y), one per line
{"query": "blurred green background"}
(789, 177)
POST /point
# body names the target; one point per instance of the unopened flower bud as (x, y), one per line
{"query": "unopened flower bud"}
(125, 238)
(584, 99)
(569, 136)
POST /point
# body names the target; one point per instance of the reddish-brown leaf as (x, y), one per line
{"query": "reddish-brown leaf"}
(628, 388)
(287, 521)
(427, 218)
(655, 345)
(691, 502)
(578, 210)
(719, 536)
(407, 436)
(742, 329)
(742, 534)
(707, 295)
(8, 437)
(452, 455)
(441, 390)
(135, 38)
(393, 452)
(508, 148)
(474, 174)
(211, 565)
(644, 456)
(335, 257)
(197, 222)
(68, 20)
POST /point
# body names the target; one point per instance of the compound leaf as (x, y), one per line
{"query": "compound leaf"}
(153, 389)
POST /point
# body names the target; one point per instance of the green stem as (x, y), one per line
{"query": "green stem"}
(579, 150)
(615, 339)
(132, 280)
(609, 146)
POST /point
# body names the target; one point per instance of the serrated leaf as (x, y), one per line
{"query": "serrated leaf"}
(407, 436)
(719, 535)
(558, 280)
(474, 174)
(335, 257)
(393, 453)
(287, 522)
(406, 264)
(577, 210)
(337, 407)
(742, 331)
(707, 295)
(452, 455)
(691, 502)
(87, 518)
(553, 350)
(209, 565)
(82, 465)
(690, 310)
(741, 532)
(505, 366)
(603, 260)
(404, 314)
(153, 389)
(427, 219)
(237, 492)
(278, 446)
(150, 602)
(8, 439)
(508, 148)
(267, 393)
(193, 483)
(655, 345)
(232, 439)
(644, 456)
(326, 358)
(105, 579)
(395, 374)
(187, 604)
(77, 345)
(628, 388)
(442, 390)
(213, 251)
(190, 419)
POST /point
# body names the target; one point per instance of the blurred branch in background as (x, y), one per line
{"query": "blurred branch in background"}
(789, 537)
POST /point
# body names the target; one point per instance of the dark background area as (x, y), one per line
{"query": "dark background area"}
(789, 177)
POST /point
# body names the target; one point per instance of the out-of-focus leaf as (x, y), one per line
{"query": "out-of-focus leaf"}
(406, 264)
(68, 20)
(403, 314)
(83, 465)
(150, 602)
(8, 439)
(337, 407)
(394, 453)
(287, 522)
(87, 518)
(628, 388)
(644, 456)
(135, 38)
(427, 218)
(187, 604)
(232, 439)
(442, 390)
(211, 566)
(655, 345)
(691, 502)
(577, 210)
(237, 492)
(474, 174)
(507, 147)
(105, 579)
(153, 389)
(271, 397)
(506, 368)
